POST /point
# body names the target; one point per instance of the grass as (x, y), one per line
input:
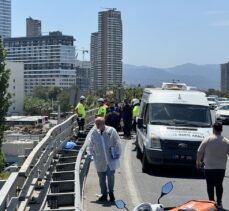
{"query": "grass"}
(4, 175)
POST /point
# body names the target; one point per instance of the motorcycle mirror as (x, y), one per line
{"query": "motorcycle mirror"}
(165, 190)
(120, 204)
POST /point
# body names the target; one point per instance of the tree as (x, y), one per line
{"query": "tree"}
(63, 98)
(4, 97)
(36, 106)
(41, 92)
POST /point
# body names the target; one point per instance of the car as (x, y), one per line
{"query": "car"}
(212, 102)
(222, 114)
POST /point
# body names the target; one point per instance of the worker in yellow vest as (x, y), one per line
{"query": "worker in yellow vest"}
(135, 112)
(102, 110)
(80, 110)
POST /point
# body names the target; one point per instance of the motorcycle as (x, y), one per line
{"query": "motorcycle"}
(194, 205)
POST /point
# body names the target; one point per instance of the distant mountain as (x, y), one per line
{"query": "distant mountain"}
(201, 76)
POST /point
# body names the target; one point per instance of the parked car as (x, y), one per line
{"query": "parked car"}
(212, 102)
(222, 114)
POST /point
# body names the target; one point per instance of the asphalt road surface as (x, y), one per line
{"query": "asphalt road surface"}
(188, 182)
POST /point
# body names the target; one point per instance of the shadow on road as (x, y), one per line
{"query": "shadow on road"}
(176, 172)
(104, 204)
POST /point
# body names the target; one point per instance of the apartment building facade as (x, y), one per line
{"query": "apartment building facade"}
(48, 60)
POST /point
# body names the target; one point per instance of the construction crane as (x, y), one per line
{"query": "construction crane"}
(83, 52)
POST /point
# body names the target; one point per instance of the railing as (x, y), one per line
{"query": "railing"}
(17, 191)
(81, 170)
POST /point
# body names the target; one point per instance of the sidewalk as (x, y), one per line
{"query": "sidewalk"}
(92, 189)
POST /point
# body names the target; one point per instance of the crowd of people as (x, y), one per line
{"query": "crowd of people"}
(121, 116)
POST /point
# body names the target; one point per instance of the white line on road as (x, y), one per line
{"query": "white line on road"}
(132, 189)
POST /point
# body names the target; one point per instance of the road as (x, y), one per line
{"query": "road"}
(188, 183)
(135, 187)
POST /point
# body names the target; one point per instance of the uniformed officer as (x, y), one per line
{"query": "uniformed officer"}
(80, 110)
(135, 112)
(102, 110)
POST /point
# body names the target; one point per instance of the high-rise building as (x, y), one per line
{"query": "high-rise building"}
(5, 18)
(225, 77)
(83, 76)
(33, 27)
(48, 60)
(16, 87)
(106, 50)
(95, 74)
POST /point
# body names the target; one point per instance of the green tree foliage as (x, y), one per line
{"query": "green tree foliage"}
(53, 93)
(40, 92)
(91, 102)
(36, 106)
(63, 98)
(131, 93)
(217, 92)
(4, 97)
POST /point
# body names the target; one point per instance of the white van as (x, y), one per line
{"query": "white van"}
(172, 123)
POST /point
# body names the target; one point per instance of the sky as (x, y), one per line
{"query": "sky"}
(157, 33)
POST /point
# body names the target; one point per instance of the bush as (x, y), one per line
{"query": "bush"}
(2, 162)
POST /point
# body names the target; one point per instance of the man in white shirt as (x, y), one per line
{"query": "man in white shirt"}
(213, 153)
(102, 139)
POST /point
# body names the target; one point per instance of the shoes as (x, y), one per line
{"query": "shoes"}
(112, 198)
(103, 198)
(219, 205)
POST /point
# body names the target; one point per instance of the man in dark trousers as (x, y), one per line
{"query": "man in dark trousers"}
(127, 118)
(102, 139)
(113, 116)
(213, 153)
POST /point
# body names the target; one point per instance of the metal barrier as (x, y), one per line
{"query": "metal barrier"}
(81, 170)
(17, 191)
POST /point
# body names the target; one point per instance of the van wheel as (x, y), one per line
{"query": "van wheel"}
(139, 153)
(145, 163)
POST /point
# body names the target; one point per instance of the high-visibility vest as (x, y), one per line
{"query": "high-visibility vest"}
(102, 111)
(135, 111)
(80, 110)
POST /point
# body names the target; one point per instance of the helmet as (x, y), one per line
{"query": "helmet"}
(101, 100)
(136, 101)
(132, 101)
(82, 98)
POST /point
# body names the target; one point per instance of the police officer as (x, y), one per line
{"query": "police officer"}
(102, 110)
(135, 112)
(80, 110)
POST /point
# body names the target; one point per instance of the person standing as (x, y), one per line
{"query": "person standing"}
(212, 153)
(135, 113)
(127, 118)
(105, 147)
(102, 110)
(80, 110)
(113, 116)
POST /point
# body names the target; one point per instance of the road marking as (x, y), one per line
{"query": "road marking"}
(132, 189)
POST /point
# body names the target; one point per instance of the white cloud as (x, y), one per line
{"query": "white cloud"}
(220, 23)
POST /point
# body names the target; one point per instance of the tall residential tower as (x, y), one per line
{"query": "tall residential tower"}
(33, 27)
(5, 18)
(106, 50)
(225, 77)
